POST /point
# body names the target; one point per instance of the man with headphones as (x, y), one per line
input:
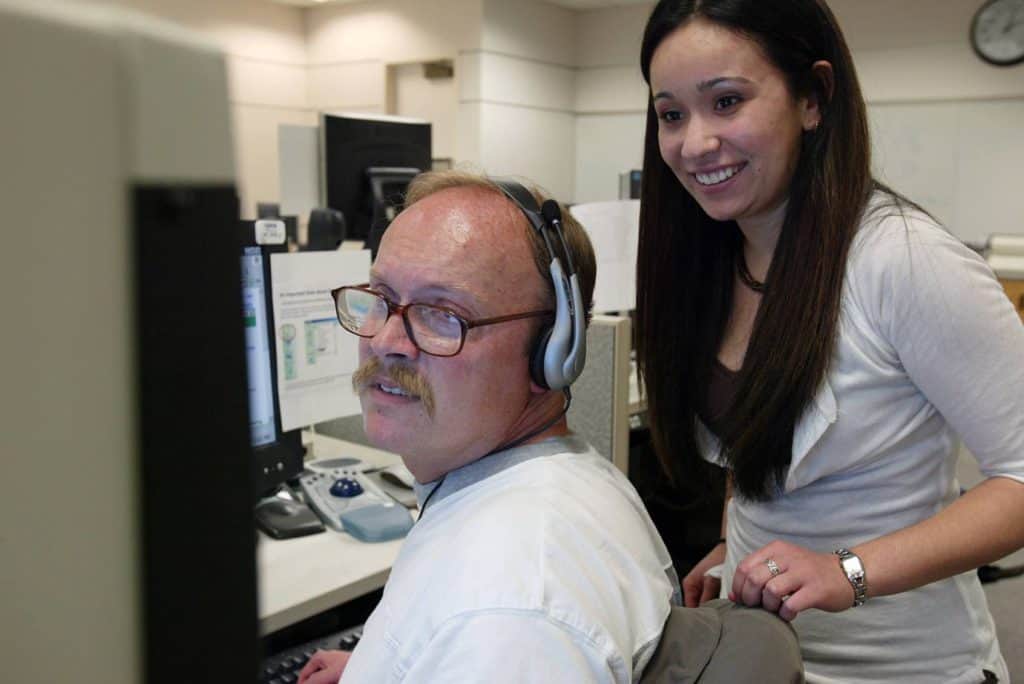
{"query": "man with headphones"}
(533, 558)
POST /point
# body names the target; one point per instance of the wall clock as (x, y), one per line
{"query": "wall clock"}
(997, 32)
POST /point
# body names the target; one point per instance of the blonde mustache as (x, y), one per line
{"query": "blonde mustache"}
(404, 378)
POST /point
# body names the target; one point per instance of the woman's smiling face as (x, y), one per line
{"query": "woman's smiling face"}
(728, 125)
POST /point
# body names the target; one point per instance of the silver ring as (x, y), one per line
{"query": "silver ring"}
(785, 598)
(773, 567)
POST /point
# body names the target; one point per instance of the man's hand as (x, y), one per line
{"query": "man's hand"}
(325, 667)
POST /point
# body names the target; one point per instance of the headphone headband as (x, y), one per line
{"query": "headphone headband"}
(561, 349)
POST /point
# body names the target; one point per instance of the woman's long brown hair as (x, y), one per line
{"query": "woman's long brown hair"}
(685, 269)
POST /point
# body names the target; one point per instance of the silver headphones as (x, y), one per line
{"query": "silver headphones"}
(560, 351)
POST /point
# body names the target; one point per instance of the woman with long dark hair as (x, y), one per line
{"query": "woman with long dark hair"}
(823, 339)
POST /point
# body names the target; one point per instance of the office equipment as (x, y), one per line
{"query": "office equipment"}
(349, 501)
(560, 352)
(335, 568)
(277, 453)
(272, 210)
(396, 485)
(286, 665)
(326, 229)
(352, 144)
(286, 518)
(269, 231)
(126, 374)
(387, 195)
(398, 475)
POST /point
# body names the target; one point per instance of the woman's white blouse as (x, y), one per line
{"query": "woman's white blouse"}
(929, 348)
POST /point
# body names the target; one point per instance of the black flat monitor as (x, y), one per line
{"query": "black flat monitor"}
(388, 185)
(354, 144)
(277, 455)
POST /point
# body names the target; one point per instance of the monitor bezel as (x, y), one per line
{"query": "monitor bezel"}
(281, 460)
(352, 143)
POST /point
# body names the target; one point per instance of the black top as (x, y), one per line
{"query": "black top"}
(721, 394)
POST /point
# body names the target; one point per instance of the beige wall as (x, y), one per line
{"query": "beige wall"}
(266, 50)
(350, 46)
(946, 125)
(556, 95)
(360, 52)
(412, 94)
(522, 93)
(611, 99)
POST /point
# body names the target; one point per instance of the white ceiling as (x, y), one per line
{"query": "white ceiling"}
(570, 4)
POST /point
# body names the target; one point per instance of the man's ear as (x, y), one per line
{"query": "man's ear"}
(813, 104)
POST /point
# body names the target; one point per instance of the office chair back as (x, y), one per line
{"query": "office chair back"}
(723, 643)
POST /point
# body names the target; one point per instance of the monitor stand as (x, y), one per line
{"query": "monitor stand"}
(286, 518)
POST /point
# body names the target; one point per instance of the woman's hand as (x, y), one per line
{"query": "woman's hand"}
(325, 667)
(698, 586)
(786, 579)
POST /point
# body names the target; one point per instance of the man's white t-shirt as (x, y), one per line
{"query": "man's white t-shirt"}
(537, 564)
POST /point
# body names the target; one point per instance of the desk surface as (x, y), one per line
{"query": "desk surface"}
(299, 578)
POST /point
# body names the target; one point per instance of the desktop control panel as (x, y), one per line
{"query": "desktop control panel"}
(347, 500)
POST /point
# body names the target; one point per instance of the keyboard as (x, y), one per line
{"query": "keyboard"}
(284, 667)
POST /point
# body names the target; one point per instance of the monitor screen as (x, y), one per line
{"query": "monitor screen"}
(277, 454)
(354, 144)
(258, 352)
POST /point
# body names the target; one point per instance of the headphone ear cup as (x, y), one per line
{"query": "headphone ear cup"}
(540, 348)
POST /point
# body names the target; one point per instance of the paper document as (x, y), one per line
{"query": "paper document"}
(316, 357)
(613, 228)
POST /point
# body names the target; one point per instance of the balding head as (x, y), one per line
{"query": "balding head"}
(460, 249)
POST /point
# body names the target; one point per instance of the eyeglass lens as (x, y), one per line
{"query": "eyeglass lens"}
(433, 330)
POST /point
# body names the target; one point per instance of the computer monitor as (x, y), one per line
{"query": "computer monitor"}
(277, 455)
(130, 544)
(388, 185)
(353, 144)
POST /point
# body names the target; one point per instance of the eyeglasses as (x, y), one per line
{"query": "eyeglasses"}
(433, 329)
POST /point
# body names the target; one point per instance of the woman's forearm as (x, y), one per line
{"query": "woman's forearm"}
(983, 525)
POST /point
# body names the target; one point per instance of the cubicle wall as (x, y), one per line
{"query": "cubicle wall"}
(600, 406)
